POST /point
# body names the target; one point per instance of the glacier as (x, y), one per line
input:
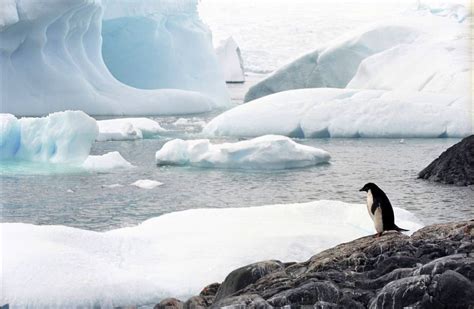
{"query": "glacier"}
(52, 60)
(231, 62)
(418, 51)
(332, 112)
(164, 256)
(264, 152)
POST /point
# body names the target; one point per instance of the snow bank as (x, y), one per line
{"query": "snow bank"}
(108, 161)
(176, 254)
(417, 52)
(146, 184)
(326, 112)
(127, 129)
(51, 60)
(265, 152)
(230, 59)
(64, 137)
(154, 44)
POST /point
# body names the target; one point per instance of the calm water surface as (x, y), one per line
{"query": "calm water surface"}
(82, 199)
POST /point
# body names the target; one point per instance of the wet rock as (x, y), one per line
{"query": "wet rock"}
(454, 166)
(434, 268)
(170, 303)
(244, 276)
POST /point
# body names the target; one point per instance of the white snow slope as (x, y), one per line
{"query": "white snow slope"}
(176, 254)
(331, 112)
(264, 152)
(424, 50)
(51, 60)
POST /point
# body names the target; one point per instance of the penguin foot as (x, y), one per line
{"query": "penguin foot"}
(378, 235)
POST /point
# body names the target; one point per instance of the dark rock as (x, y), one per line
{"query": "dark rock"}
(454, 166)
(244, 276)
(210, 290)
(170, 303)
(434, 268)
(248, 301)
(196, 302)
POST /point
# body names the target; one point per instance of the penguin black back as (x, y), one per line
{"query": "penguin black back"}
(381, 200)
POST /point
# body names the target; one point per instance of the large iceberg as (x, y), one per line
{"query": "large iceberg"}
(331, 112)
(51, 60)
(416, 52)
(64, 137)
(264, 152)
(154, 44)
(165, 256)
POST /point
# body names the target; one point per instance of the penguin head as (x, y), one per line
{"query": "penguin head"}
(368, 186)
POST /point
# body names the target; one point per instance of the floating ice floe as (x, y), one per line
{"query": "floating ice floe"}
(146, 184)
(127, 129)
(330, 112)
(413, 52)
(52, 58)
(176, 254)
(230, 59)
(63, 137)
(108, 161)
(112, 186)
(265, 152)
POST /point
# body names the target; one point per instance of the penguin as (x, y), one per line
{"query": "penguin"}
(380, 209)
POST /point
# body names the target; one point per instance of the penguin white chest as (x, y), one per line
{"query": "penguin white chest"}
(377, 215)
(370, 202)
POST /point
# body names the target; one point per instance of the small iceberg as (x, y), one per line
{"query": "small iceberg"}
(146, 184)
(231, 62)
(264, 152)
(127, 129)
(63, 137)
(108, 161)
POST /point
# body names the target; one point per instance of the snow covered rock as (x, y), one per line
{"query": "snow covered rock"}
(63, 137)
(230, 59)
(70, 267)
(127, 129)
(265, 152)
(51, 60)
(330, 112)
(109, 161)
(152, 44)
(146, 184)
(415, 52)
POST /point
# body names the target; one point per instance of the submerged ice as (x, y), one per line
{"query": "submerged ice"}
(51, 60)
(165, 256)
(264, 152)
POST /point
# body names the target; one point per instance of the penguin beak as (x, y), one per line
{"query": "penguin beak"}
(361, 190)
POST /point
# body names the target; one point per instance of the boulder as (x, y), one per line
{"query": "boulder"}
(454, 166)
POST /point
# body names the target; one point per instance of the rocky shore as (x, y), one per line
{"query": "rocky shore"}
(433, 268)
(454, 166)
